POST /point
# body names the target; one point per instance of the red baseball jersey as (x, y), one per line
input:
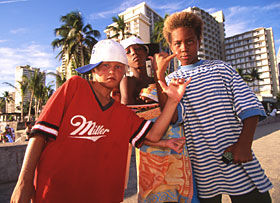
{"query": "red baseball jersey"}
(86, 160)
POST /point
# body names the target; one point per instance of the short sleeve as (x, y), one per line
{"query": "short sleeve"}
(245, 102)
(138, 127)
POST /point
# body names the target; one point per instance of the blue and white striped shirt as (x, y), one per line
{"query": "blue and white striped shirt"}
(212, 109)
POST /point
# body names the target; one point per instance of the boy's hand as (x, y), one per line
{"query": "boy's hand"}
(23, 193)
(240, 154)
(176, 88)
(176, 144)
(160, 63)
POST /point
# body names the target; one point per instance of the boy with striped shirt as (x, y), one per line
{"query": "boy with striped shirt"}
(219, 113)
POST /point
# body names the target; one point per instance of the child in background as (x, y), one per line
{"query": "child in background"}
(79, 144)
(164, 175)
(219, 113)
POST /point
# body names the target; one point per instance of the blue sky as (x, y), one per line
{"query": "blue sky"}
(27, 26)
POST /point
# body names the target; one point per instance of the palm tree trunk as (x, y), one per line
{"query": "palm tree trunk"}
(30, 105)
(21, 110)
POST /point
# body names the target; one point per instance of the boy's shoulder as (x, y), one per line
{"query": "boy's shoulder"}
(214, 62)
(76, 80)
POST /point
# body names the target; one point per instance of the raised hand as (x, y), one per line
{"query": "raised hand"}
(160, 63)
(176, 88)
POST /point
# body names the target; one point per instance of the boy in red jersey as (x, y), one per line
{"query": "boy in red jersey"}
(79, 144)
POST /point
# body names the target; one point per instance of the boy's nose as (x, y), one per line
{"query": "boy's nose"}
(184, 47)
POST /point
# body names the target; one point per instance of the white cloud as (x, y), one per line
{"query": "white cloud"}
(243, 18)
(163, 7)
(235, 28)
(18, 31)
(11, 1)
(3, 40)
(109, 13)
(171, 6)
(32, 54)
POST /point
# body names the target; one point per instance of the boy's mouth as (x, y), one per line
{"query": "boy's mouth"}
(111, 78)
(185, 57)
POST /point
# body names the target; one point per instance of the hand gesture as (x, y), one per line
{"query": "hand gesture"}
(176, 144)
(160, 63)
(176, 88)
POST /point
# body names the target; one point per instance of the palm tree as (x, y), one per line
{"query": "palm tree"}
(245, 76)
(157, 34)
(34, 82)
(23, 86)
(59, 77)
(2, 104)
(6, 99)
(250, 76)
(119, 29)
(42, 94)
(75, 39)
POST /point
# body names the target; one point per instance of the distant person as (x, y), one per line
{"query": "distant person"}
(273, 112)
(219, 113)
(164, 174)
(28, 128)
(8, 135)
(79, 144)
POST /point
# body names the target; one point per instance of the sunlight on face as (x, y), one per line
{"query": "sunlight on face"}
(185, 43)
(109, 73)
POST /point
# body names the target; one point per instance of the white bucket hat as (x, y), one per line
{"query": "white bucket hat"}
(105, 50)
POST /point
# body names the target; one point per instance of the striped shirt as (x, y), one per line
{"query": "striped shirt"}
(212, 109)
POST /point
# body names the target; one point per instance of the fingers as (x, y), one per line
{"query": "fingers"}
(150, 58)
(165, 56)
(168, 58)
(188, 81)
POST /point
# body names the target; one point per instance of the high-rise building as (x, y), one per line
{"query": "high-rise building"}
(140, 20)
(212, 42)
(255, 49)
(278, 65)
(20, 72)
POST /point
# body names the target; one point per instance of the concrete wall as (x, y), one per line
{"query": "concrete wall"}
(11, 157)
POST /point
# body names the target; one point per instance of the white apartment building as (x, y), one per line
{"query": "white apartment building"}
(278, 65)
(212, 43)
(140, 20)
(20, 72)
(255, 49)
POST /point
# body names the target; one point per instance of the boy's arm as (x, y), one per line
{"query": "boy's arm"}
(24, 189)
(160, 62)
(176, 144)
(241, 150)
(126, 90)
(175, 91)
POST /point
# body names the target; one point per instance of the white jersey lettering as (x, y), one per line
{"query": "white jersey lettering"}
(84, 126)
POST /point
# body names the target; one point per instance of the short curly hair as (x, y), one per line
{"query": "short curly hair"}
(182, 19)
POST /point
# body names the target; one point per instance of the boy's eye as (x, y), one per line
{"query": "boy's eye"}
(190, 41)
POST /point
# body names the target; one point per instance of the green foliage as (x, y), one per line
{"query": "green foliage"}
(157, 35)
(75, 39)
(119, 29)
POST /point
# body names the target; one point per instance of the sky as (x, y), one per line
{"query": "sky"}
(27, 26)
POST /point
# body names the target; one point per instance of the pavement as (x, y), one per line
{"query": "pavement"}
(266, 146)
